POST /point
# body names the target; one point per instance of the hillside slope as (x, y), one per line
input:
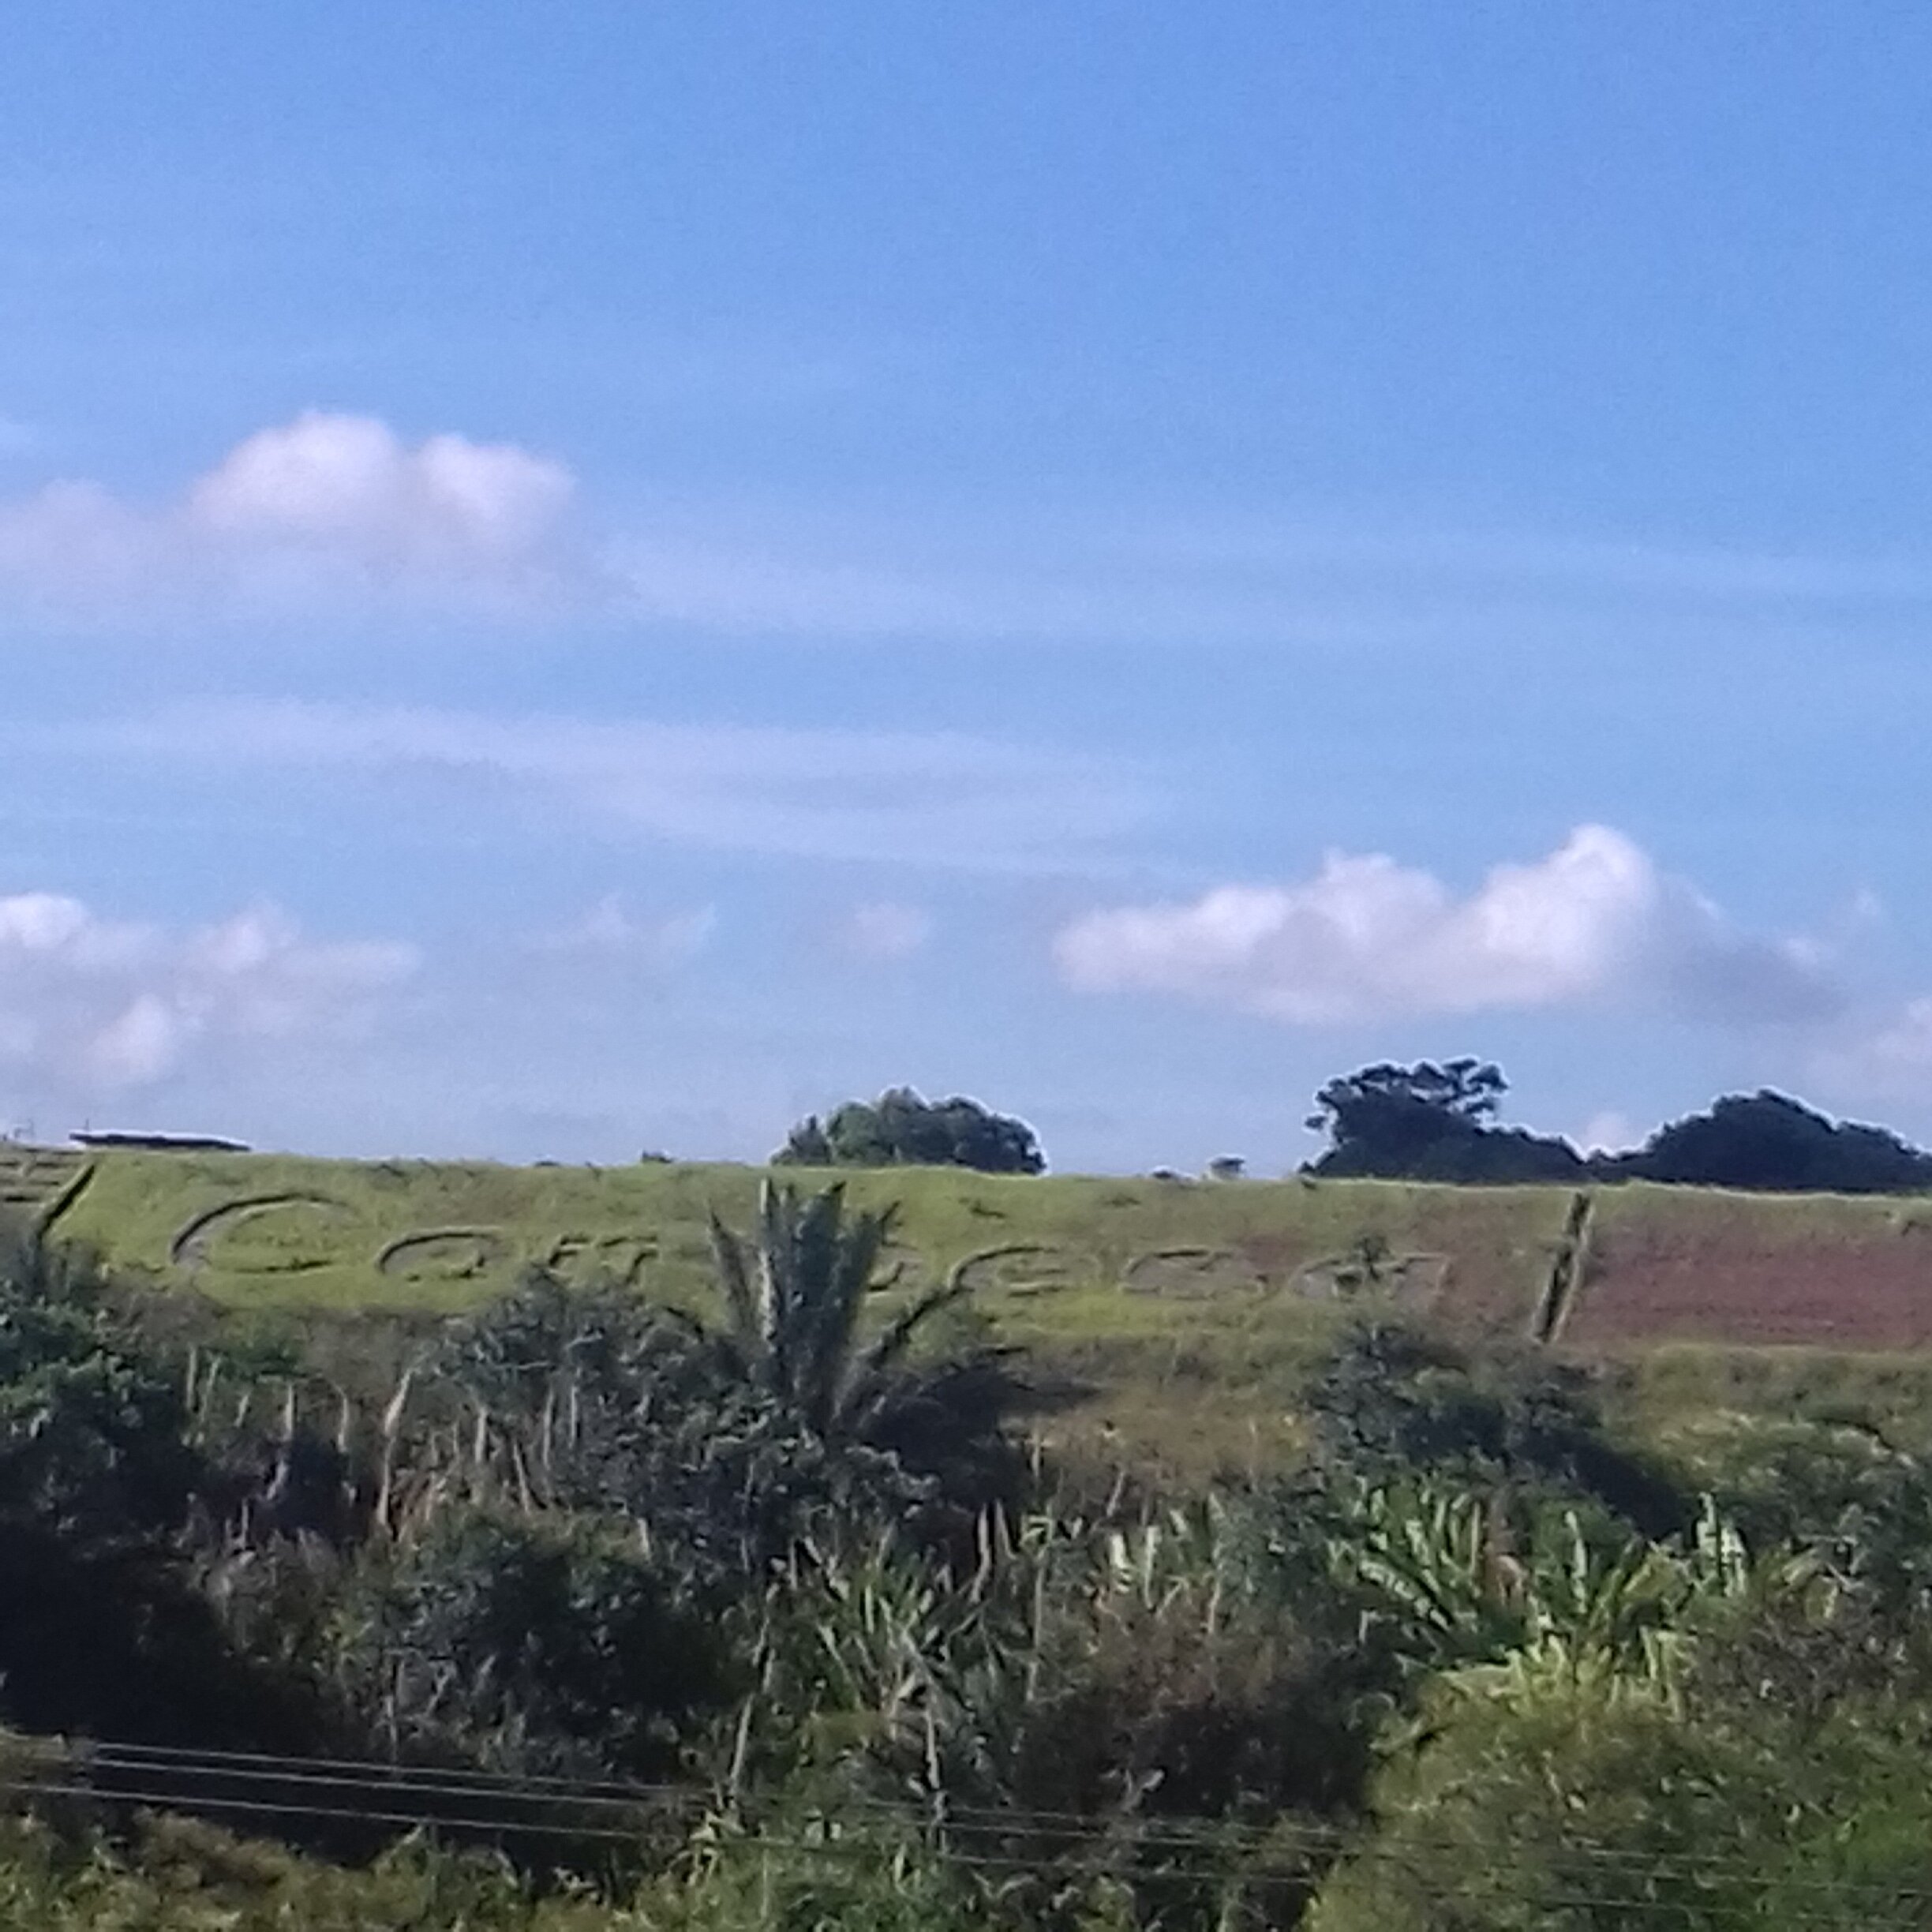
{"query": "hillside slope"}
(1181, 1305)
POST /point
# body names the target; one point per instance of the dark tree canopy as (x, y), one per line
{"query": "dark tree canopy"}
(1770, 1141)
(900, 1129)
(1431, 1122)
(1436, 1122)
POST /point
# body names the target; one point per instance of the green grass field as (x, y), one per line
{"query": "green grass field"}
(1186, 1311)
(270, 1229)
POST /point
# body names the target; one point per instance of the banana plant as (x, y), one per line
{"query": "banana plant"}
(1452, 1583)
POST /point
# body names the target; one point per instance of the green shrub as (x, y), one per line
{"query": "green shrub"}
(551, 1647)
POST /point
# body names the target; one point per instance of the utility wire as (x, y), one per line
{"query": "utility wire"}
(141, 1774)
(157, 1762)
(351, 1774)
(834, 1849)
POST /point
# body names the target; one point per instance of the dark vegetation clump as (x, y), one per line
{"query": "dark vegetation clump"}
(598, 1615)
(1767, 1141)
(1428, 1122)
(899, 1129)
(1431, 1122)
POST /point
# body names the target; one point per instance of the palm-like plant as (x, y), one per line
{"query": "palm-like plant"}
(794, 1299)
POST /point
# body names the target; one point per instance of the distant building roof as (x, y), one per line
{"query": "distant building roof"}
(159, 1142)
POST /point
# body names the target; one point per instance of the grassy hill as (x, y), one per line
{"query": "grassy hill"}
(1185, 1310)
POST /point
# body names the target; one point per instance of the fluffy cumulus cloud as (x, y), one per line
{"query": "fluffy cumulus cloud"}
(329, 507)
(1596, 923)
(90, 1005)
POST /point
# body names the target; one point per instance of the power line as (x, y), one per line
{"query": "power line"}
(1430, 1887)
(147, 1774)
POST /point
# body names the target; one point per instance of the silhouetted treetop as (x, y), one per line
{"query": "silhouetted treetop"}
(900, 1129)
(1431, 1122)
(1436, 1122)
(1768, 1141)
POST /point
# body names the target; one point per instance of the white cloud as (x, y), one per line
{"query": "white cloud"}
(885, 930)
(348, 483)
(89, 1004)
(1594, 924)
(939, 798)
(1888, 1059)
(610, 930)
(139, 1044)
(333, 507)
(1609, 1132)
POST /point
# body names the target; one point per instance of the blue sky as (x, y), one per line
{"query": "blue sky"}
(582, 578)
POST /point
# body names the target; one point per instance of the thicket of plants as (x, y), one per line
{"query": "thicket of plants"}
(600, 1615)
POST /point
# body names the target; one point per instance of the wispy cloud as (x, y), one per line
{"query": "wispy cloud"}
(1596, 923)
(330, 511)
(885, 931)
(1136, 579)
(1887, 1057)
(89, 1004)
(1287, 549)
(942, 799)
(612, 930)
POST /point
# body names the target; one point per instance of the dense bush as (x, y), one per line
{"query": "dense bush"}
(1567, 1797)
(101, 1626)
(901, 1129)
(91, 1433)
(766, 1621)
(522, 1645)
(175, 1876)
(1390, 1400)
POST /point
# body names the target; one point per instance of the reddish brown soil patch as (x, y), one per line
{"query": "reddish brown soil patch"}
(1477, 1258)
(1685, 1285)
